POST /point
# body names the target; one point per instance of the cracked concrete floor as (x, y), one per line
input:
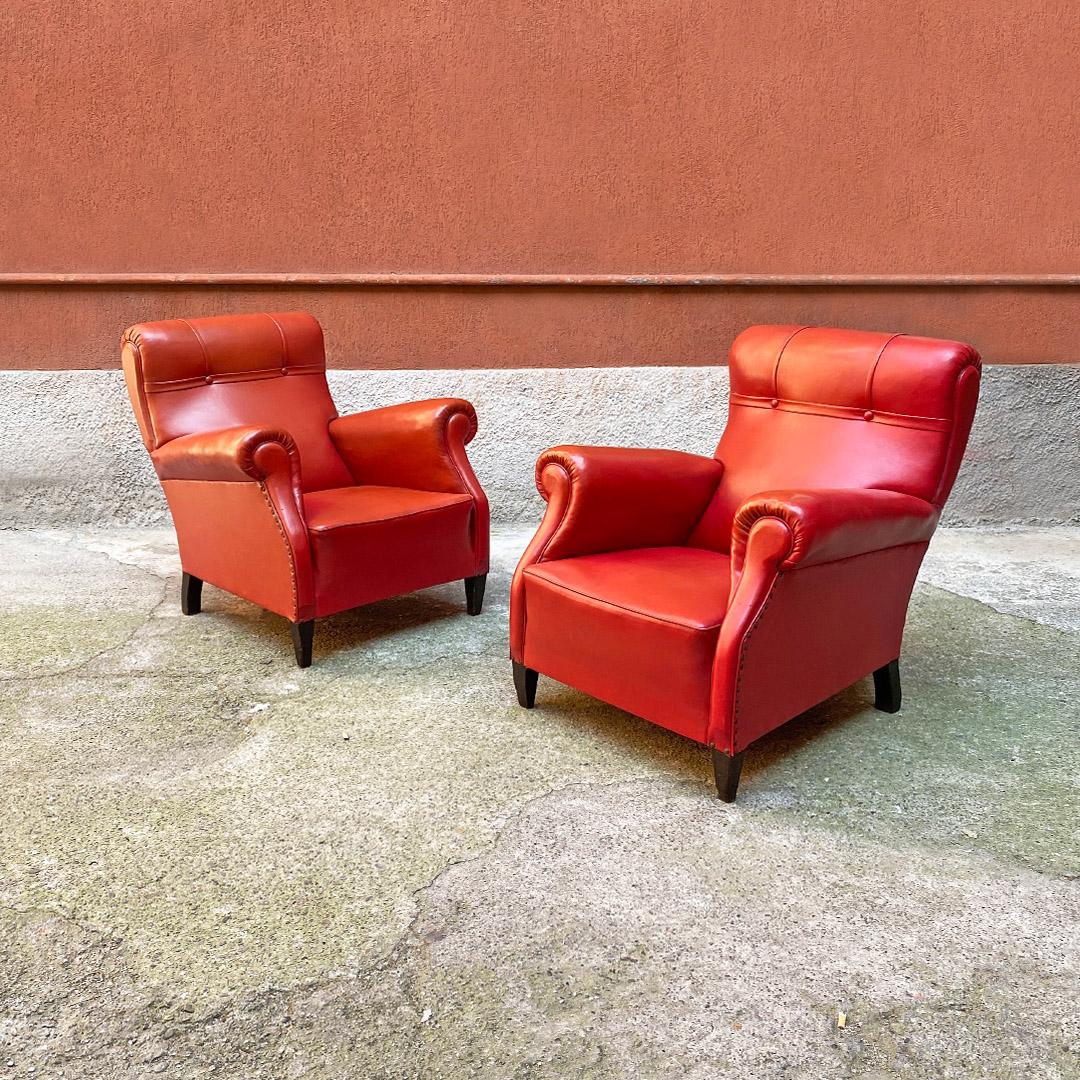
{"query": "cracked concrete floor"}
(215, 865)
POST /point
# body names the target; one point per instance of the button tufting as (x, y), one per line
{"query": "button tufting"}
(209, 378)
(868, 415)
(284, 371)
(774, 403)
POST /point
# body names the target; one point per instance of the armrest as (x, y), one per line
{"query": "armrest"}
(825, 525)
(420, 445)
(607, 498)
(232, 455)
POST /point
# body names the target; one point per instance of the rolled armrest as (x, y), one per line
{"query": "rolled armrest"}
(416, 445)
(236, 455)
(607, 498)
(824, 525)
(229, 458)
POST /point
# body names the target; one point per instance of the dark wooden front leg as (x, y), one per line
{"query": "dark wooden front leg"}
(303, 634)
(887, 687)
(474, 593)
(190, 594)
(525, 680)
(726, 769)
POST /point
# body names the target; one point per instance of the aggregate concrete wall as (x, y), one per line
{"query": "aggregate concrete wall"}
(506, 137)
(71, 453)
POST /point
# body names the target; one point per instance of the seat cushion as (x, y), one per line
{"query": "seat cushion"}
(635, 628)
(368, 543)
(342, 507)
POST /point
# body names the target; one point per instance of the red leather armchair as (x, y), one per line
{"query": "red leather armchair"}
(278, 499)
(720, 597)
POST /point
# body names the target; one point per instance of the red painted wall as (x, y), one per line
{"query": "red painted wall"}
(571, 136)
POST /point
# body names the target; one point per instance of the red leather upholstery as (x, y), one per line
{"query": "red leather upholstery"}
(238, 454)
(840, 450)
(818, 408)
(198, 375)
(658, 615)
(420, 444)
(603, 498)
(414, 538)
(827, 524)
(275, 497)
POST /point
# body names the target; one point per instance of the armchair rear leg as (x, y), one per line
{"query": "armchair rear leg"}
(726, 769)
(887, 687)
(190, 594)
(303, 633)
(474, 593)
(525, 680)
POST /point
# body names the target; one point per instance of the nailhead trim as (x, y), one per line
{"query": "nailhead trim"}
(288, 548)
(742, 658)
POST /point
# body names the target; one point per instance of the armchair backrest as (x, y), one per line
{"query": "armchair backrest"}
(820, 408)
(192, 375)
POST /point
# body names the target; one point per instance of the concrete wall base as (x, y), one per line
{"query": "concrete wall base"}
(71, 452)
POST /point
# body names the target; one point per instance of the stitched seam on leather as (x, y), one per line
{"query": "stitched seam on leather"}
(780, 356)
(474, 526)
(623, 607)
(474, 423)
(547, 543)
(169, 385)
(382, 521)
(284, 343)
(860, 554)
(566, 508)
(288, 547)
(202, 346)
(708, 503)
(549, 457)
(952, 433)
(750, 401)
(742, 657)
(446, 443)
(873, 372)
(140, 384)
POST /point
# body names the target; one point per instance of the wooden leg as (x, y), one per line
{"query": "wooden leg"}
(303, 633)
(726, 769)
(525, 680)
(887, 687)
(474, 593)
(190, 594)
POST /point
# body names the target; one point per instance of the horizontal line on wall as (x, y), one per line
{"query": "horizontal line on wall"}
(542, 280)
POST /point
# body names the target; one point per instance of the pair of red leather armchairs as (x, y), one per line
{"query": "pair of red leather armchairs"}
(717, 597)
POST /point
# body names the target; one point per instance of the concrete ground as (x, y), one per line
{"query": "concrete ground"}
(215, 865)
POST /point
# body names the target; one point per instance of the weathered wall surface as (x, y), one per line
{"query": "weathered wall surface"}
(500, 137)
(72, 453)
(507, 327)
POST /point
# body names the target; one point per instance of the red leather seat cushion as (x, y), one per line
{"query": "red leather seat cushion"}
(369, 543)
(636, 628)
(338, 507)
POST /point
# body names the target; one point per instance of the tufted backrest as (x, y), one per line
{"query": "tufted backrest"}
(191, 375)
(818, 408)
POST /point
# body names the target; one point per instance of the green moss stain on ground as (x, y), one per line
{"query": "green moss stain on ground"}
(237, 822)
(382, 866)
(982, 756)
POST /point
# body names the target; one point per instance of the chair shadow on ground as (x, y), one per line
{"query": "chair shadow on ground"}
(682, 758)
(340, 636)
(337, 635)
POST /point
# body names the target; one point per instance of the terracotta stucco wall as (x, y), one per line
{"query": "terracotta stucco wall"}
(500, 137)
